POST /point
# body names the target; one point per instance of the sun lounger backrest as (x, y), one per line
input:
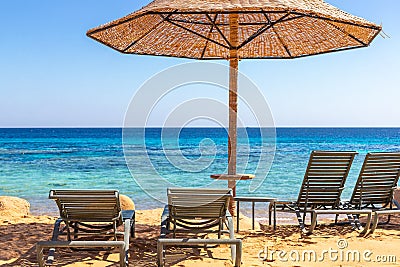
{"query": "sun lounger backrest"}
(377, 179)
(324, 179)
(198, 203)
(87, 205)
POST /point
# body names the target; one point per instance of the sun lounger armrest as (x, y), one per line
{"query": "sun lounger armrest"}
(129, 215)
(164, 222)
(56, 230)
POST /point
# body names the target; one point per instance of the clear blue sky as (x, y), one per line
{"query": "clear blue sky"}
(51, 74)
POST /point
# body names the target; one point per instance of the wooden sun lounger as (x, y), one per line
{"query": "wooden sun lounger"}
(375, 186)
(88, 213)
(322, 185)
(193, 210)
(372, 194)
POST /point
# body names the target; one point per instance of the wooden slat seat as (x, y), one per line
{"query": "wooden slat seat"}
(373, 192)
(375, 185)
(377, 180)
(197, 210)
(89, 213)
(322, 184)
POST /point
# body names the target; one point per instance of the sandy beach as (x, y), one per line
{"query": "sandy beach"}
(286, 103)
(333, 245)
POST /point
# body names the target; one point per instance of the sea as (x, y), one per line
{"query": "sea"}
(142, 162)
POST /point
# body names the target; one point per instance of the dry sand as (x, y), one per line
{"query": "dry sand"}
(18, 237)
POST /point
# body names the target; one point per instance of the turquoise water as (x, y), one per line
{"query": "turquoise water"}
(33, 161)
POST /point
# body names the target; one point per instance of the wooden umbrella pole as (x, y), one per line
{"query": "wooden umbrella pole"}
(232, 145)
(233, 88)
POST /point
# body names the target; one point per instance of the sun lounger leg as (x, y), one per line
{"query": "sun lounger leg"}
(388, 220)
(375, 221)
(231, 235)
(56, 233)
(160, 254)
(238, 257)
(367, 224)
(133, 225)
(313, 222)
(39, 253)
(126, 240)
(269, 214)
(274, 207)
(301, 221)
(123, 261)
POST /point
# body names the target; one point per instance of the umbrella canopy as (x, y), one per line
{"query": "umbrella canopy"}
(233, 30)
(203, 29)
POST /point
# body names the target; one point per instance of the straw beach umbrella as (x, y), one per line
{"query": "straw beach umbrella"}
(235, 30)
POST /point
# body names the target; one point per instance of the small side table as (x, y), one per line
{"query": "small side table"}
(232, 179)
(253, 200)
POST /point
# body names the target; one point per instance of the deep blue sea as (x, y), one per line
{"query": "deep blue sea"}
(142, 162)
